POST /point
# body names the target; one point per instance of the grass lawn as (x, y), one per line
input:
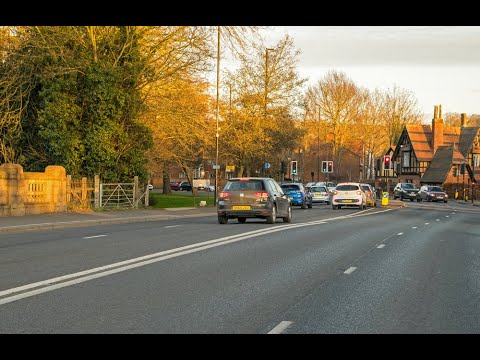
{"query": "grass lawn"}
(158, 200)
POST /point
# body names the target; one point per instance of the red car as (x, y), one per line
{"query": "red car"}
(175, 185)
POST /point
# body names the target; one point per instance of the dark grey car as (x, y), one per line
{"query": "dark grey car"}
(253, 197)
(405, 191)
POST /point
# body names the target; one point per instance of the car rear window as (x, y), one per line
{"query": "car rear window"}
(244, 185)
(290, 187)
(408, 186)
(366, 188)
(347, 187)
(319, 189)
(435, 188)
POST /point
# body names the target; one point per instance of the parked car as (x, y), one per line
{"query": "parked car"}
(348, 194)
(175, 185)
(370, 194)
(185, 186)
(298, 195)
(405, 191)
(253, 197)
(431, 193)
(320, 194)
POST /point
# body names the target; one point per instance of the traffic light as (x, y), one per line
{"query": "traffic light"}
(294, 166)
(386, 162)
(324, 166)
(330, 166)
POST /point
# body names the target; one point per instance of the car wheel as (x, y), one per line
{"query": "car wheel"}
(222, 219)
(288, 218)
(273, 216)
(328, 202)
(303, 205)
(310, 205)
(429, 199)
(242, 220)
(334, 207)
(363, 206)
(411, 199)
(445, 201)
(418, 199)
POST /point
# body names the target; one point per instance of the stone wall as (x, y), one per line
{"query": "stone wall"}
(25, 193)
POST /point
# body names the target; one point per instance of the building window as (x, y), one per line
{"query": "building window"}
(182, 175)
(406, 159)
(476, 160)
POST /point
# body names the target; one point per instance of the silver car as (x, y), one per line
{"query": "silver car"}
(320, 194)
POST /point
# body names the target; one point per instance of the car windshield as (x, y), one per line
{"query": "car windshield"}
(435, 188)
(347, 187)
(409, 186)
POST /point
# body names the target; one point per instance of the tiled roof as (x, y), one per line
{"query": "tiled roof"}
(466, 139)
(440, 166)
(420, 137)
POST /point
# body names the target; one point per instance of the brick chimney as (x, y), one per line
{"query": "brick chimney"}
(437, 128)
(463, 120)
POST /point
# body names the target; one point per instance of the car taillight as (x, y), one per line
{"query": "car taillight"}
(334, 192)
(369, 192)
(359, 192)
(224, 194)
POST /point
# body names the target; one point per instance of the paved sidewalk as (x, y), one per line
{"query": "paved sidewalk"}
(77, 219)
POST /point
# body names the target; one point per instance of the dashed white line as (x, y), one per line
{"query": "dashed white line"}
(380, 246)
(447, 216)
(400, 234)
(91, 237)
(280, 327)
(170, 226)
(427, 223)
(350, 270)
(414, 227)
(437, 219)
(453, 213)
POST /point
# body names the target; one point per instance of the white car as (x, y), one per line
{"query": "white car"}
(348, 194)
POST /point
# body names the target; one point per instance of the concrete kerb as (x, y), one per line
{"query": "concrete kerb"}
(86, 223)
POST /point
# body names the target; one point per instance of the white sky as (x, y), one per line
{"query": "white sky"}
(439, 64)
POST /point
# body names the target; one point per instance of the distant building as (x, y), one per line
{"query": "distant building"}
(438, 154)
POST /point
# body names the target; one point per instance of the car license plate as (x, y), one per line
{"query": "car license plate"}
(317, 194)
(347, 200)
(439, 197)
(240, 207)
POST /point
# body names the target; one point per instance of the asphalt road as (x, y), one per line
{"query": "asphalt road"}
(406, 270)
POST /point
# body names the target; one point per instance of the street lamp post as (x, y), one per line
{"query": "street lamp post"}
(265, 105)
(216, 116)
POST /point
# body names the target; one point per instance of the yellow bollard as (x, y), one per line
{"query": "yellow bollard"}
(384, 198)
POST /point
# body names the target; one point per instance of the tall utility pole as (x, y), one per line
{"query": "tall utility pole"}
(318, 147)
(216, 116)
(265, 92)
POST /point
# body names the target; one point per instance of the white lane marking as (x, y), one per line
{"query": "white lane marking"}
(350, 270)
(414, 227)
(453, 213)
(91, 237)
(86, 275)
(438, 219)
(171, 226)
(280, 327)
(400, 234)
(380, 246)
(427, 223)
(447, 216)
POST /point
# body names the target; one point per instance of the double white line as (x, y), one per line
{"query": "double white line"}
(59, 282)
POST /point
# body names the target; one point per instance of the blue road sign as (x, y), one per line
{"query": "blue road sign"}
(267, 165)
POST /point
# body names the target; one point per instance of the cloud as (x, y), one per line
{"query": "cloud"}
(383, 45)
